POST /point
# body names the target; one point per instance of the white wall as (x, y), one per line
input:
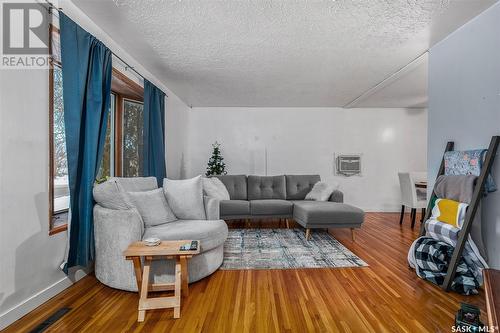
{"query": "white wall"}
(464, 103)
(176, 125)
(304, 140)
(29, 257)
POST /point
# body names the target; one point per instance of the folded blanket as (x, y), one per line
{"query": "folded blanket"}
(441, 231)
(469, 162)
(460, 188)
(431, 258)
(449, 234)
(455, 187)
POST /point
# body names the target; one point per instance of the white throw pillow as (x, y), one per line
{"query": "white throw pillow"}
(152, 206)
(213, 187)
(185, 197)
(320, 192)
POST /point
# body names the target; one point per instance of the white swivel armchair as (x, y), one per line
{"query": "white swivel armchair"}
(411, 196)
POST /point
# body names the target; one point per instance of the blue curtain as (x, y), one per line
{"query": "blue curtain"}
(86, 71)
(154, 132)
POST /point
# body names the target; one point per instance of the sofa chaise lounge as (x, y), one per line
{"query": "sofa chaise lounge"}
(261, 197)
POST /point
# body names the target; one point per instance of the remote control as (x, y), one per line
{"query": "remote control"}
(185, 247)
(189, 246)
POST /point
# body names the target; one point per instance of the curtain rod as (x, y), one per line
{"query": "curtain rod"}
(127, 66)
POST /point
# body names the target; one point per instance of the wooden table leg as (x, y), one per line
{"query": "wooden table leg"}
(144, 290)
(308, 233)
(138, 272)
(184, 276)
(177, 295)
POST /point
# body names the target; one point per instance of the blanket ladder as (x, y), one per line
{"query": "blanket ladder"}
(471, 210)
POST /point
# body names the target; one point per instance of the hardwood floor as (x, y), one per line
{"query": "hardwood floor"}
(387, 296)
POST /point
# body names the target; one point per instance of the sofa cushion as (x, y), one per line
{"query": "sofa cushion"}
(111, 193)
(297, 186)
(234, 207)
(185, 197)
(321, 191)
(337, 196)
(210, 233)
(326, 213)
(266, 187)
(271, 207)
(136, 184)
(152, 206)
(214, 188)
(236, 185)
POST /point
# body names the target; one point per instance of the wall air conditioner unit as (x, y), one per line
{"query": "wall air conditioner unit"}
(348, 165)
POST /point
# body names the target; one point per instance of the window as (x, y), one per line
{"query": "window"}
(59, 186)
(61, 189)
(128, 125)
(132, 138)
(122, 154)
(107, 168)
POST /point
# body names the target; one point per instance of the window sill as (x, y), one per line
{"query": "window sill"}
(58, 229)
(59, 222)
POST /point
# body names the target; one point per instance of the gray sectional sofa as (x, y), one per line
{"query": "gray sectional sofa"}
(117, 224)
(261, 197)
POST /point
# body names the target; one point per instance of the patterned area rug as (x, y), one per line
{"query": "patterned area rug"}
(285, 248)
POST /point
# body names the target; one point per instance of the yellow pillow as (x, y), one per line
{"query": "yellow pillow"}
(449, 211)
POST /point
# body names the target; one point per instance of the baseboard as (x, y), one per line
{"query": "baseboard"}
(28, 305)
(31, 303)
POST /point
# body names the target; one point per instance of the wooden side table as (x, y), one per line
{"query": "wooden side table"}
(165, 250)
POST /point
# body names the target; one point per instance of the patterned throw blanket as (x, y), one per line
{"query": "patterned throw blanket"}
(431, 258)
(468, 162)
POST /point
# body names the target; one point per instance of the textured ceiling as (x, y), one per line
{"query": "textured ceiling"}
(280, 53)
(406, 88)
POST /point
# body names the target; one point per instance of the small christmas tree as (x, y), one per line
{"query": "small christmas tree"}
(216, 165)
